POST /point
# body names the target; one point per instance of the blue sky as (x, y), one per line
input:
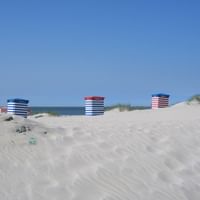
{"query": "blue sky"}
(57, 52)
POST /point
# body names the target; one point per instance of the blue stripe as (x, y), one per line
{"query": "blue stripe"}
(16, 106)
(20, 109)
(94, 113)
(91, 107)
(94, 110)
(18, 101)
(94, 104)
(161, 95)
(100, 110)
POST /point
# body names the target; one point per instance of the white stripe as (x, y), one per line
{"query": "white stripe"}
(94, 108)
(94, 102)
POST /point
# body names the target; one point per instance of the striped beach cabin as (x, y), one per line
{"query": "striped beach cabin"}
(160, 101)
(94, 105)
(17, 107)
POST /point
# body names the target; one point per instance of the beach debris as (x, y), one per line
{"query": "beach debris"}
(32, 140)
(38, 116)
(23, 129)
(10, 118)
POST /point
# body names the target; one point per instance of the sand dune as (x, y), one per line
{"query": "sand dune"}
(140, 155)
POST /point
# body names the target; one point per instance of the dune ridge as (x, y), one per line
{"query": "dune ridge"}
(148, 154)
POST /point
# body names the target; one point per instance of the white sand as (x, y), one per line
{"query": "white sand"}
(139, 155)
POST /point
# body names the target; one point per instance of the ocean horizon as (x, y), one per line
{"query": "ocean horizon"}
(78, 110)
(58, 110)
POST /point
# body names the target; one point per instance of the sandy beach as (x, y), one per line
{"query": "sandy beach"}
(137, 155)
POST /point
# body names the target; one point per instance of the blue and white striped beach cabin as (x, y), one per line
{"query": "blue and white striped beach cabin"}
(94, 105)
(17, 107)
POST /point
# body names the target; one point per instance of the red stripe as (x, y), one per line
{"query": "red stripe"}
(94, 98)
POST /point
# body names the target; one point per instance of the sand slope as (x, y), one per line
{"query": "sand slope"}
(139, 155)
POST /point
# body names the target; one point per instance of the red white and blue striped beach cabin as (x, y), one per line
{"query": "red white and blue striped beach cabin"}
(94, 105)
(160, 101)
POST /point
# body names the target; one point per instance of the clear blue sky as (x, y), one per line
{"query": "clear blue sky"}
(55, 52)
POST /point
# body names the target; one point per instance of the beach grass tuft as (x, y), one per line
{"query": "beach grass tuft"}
(194, 98)
(125, 107)
(52, 113)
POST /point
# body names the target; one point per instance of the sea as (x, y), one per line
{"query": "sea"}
(59, 110)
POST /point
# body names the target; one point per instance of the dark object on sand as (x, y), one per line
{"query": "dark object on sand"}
(23, 129)
(9, 119)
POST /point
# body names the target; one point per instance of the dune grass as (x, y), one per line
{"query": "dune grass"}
(194, 98)
(125, 107)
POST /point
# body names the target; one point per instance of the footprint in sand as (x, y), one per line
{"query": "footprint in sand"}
(172, 163)
(105, 146)
(166, 176)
